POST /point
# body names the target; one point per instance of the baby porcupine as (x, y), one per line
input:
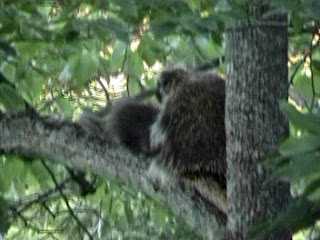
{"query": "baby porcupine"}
(127, 123)
(130, 123)
(189, 131)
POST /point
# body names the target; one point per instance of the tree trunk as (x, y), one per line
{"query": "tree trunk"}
(256, 82)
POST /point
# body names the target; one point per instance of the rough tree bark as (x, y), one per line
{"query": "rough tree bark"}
(256, 82)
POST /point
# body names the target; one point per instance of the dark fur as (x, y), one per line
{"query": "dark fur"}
(130, 123)
(190, 129)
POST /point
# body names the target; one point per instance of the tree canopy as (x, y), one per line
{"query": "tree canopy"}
(59, 57)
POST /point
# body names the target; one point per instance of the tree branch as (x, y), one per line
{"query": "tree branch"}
(40, 198)
(66, 201)
(31, 135)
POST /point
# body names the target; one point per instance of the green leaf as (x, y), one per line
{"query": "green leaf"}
(117, 57)
(301, 166)
(113, 27)
(79, 69)
(9, 72)
(304, 144)
(133, 65)
(117, 211)
(108, 204)
(302, 85)
(299, 42)
(37, 170)
(316, 80)
(194, 4)
(99, 195)
(30, 49)
(128, 211)
(301, 214)
(4, 215)
(13, 175)
(31, 87)
(65, 75)
(316, 64)
(104, 67)
(312, 187)
(150, 50)
(134, 86)
(310, 122)
(208, 47)
(312, 10)
(8, 49)
(165, 27)
(10, 99)
(129, 9)
(158, 216)
(83, 67)
(65, 107)
(5, 182)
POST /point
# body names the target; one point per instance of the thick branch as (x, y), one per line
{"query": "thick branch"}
(32, 136)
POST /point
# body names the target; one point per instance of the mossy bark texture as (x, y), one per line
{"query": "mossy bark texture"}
(256, 82)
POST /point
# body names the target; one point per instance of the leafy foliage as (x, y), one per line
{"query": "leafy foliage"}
(55, 45)
(299, 163)
(59, 56)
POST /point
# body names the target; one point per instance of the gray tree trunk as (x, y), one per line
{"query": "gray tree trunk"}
(256, 82)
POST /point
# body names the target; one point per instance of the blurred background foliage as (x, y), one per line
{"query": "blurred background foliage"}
(59, 57)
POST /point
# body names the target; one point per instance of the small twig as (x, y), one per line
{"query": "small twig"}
(49, 236)
(34, 228)
(197, 47)
(5, 80)
(311, 69)
(308, 54)
(44, 205)
(306, 104)
(124, 58)
(14, 236)
(106, 93)
(66, 200)
(311, 231)
(312, 80)
(47, 104)
(247, 10)
(128, 91)
(297, 68)
(40, 197)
